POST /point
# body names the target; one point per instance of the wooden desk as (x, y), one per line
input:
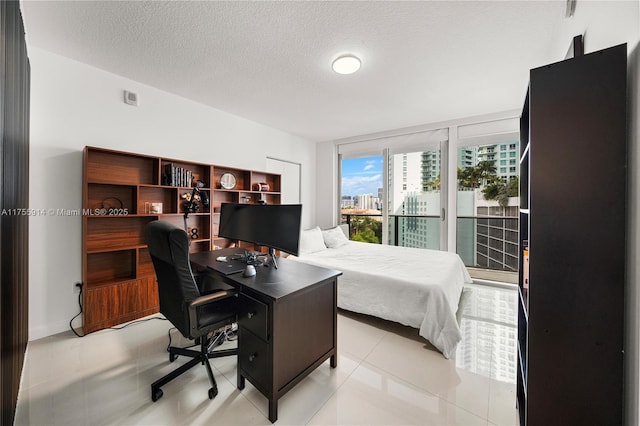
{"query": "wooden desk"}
(287, 324)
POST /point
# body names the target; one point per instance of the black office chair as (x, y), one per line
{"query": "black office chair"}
(197, 316)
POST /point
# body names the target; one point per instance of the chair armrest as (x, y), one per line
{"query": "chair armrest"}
(210, 297)
(205, 300)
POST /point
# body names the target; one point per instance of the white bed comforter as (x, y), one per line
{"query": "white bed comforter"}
(415, 287)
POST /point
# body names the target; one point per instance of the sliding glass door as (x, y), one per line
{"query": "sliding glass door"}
(415, 198)
(391, 190)
(400, 189)
(487, 209)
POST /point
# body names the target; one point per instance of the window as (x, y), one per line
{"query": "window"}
(361, 184)
(412, 202)
(486, 242)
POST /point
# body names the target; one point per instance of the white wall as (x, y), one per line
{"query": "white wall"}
(327, 185)
(632, 296)
(73, 105)
(603, 24)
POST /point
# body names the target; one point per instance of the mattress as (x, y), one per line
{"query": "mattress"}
(419, 288)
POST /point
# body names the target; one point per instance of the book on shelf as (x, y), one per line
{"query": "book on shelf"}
(169, 174)
(525, 264)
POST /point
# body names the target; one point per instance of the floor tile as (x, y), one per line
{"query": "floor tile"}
(299, 405)
(356, 336)
(502, 404)
(428, 369)
(373, 397)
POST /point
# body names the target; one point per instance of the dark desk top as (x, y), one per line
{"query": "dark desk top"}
(290, 277)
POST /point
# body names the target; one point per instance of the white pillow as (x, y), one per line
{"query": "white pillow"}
(334, 237)
(311, 241)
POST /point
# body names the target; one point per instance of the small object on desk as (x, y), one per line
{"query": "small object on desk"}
(249, 271)
(221, 258)
(251, 258)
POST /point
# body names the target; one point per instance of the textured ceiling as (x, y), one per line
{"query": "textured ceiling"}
(422, 62)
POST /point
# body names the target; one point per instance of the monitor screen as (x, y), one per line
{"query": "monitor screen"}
(275, 226)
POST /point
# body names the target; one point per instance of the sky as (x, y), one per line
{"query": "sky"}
(362, 176)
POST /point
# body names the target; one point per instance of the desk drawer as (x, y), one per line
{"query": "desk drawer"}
(253, 358)
(254, 316)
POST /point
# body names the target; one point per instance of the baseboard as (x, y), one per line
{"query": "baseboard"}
(50, 329)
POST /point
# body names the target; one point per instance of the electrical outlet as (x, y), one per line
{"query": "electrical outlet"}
(77, 287)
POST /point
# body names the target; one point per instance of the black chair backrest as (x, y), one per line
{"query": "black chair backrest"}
(169, 250)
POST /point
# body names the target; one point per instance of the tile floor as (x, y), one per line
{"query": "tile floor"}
(386, 375)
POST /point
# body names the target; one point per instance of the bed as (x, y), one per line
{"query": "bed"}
(415, 287)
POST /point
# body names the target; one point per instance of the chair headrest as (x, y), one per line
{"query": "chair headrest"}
(167, 241)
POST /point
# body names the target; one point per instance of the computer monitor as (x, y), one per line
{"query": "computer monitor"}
(275, 226)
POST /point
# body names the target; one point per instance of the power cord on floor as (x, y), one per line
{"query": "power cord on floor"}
(137, 322)
(80, 304)
(80, 286)
(169, 335)
(229, 333)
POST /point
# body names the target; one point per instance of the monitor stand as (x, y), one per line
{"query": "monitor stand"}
(272, 255)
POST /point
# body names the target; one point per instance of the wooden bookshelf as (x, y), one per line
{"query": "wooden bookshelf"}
(121, 195)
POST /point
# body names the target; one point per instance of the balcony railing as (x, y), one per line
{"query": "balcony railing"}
(487, 242)
(404, 230)
(364, 227)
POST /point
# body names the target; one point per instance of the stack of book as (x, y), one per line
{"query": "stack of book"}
(177, 176)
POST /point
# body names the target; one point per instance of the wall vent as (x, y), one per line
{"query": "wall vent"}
(130, 98)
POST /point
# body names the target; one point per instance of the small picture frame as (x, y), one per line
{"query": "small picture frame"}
(155, 208)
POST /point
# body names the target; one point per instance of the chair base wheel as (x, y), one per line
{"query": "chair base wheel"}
(172, 357)
(213, 392)
(156, 394)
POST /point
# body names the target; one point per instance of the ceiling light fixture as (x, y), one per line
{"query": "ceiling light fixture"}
(346, 64)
